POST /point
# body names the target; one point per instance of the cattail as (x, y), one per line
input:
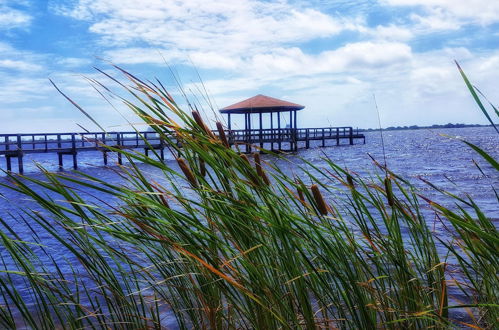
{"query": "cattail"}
(388, 190)
(245, 158)
(161, 197)
(350, 181)
(259, 168)
(221, 134)
(299, 191)
(187, 172)
(249, 172)
(163, 201)
(200, 122)
(319, 200)
(202, 167)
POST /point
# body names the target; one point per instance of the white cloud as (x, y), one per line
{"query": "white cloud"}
(225, 26)
(12, 18)
(139, 55)
(73, 62)
(18, 65)
(291, 69)
(14, 59)
(467, 11)
(436, 20)
(16, 90)
(360, 56)
(390, 32)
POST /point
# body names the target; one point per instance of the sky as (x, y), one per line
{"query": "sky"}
(334, 57)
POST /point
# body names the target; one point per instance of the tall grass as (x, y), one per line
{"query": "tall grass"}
(224, 240)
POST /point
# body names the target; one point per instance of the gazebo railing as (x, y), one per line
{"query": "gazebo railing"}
(290, 134)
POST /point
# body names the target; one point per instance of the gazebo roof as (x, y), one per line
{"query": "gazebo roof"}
(261, 104)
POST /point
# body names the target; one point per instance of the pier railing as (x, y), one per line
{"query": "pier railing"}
(18, 145)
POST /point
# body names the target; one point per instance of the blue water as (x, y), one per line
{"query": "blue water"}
(413, 154)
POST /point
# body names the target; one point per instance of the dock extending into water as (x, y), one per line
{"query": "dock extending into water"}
(16, 146)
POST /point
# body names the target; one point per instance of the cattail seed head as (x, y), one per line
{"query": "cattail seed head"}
(300, 195)
(299, 191)
(350, 181)
(319, 200)
(259, 169)
(221, 134)
(187, 172)
(164, 201)
(245, 158)
(388, 190)
(200, 122)
(202, 167)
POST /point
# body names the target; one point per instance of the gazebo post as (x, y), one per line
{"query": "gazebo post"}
(271, 131)
(229, 122)
(248, 144)
(246, 131)
(291, 141)
(261, 127)
(295, 131)
(279, 129)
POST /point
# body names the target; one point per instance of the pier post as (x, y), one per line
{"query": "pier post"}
(104, 152)
(118, 143)
(351, 135)
(323, 137)
(307, 141)
(20, 154)
(295, 137)
(73, 151)
(337, 136)
(7, 157)
(59, 145)
(162, 148)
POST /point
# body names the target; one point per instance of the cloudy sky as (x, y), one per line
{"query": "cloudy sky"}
(330, 55)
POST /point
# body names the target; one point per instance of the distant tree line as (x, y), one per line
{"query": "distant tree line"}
(449, 125)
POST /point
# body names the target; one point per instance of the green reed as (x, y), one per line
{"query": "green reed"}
(222, 241)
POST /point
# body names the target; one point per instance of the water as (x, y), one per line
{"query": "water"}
(413, 154)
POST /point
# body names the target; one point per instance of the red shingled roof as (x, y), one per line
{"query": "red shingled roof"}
(261, 103)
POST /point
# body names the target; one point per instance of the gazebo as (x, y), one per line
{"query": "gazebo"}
(261, 104)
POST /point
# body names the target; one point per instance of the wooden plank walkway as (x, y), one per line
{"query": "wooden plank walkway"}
(17, 145)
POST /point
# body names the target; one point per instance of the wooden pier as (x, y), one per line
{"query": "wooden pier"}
(16, 146)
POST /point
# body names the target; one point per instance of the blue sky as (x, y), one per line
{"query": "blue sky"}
(330, 56)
